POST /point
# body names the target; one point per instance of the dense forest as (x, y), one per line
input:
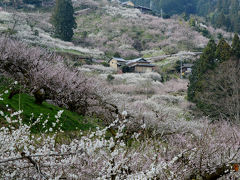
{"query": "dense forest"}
(221, 13)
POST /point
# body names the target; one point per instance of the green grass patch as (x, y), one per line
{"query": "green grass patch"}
(70, 121)
(69, 51)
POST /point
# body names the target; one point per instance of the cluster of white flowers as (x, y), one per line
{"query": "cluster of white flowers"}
(113, 152)
(180, 149)
(24, 32)
(124, 12)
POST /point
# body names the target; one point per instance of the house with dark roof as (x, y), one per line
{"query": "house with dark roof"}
(187, 68)
(139, 65)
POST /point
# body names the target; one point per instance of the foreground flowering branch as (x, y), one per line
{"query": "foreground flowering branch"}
(35, 155)
(211, 151)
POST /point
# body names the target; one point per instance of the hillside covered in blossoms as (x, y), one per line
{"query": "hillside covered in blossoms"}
(97, 89)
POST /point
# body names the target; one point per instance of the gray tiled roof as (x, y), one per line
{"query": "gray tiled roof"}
(119, 59)
(136, 60)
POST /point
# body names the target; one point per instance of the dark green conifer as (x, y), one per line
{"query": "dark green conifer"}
(206, 62)
(63, 20)
(223, 51)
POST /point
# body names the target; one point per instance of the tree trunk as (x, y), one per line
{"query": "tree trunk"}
(13, 93)
(40, 96)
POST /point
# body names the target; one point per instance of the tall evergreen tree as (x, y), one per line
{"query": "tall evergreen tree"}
(208, 57)
(206, 62)
(236, 46)
(223, 51)
(63, 20)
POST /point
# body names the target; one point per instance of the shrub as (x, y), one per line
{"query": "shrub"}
(125, 69)
(110, 78)
(36, 32)
(105, 64)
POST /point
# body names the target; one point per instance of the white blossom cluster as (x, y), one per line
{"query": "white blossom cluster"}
(40, 23)
(125, 12)
(112, 153)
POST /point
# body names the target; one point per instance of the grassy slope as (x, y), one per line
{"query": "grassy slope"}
(70, 120)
